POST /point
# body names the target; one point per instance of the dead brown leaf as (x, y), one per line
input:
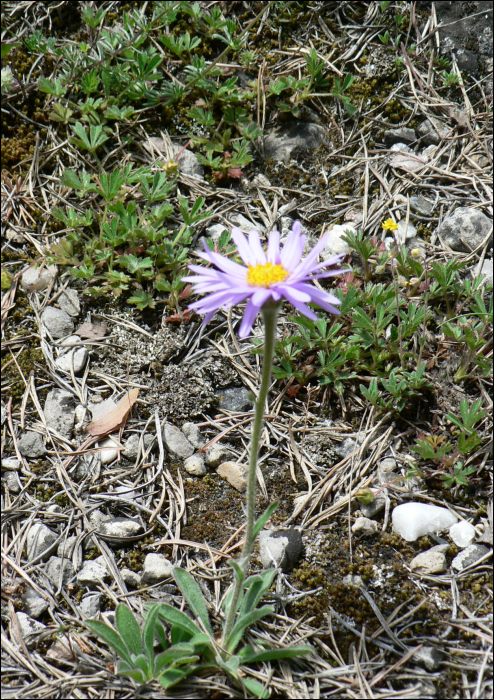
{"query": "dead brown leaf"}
(114, 418)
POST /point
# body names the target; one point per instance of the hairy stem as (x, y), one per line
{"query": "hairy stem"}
(269, 312)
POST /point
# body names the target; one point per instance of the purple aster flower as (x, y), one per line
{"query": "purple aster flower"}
(268, 275)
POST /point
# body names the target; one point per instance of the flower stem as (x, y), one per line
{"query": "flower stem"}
(269, 313)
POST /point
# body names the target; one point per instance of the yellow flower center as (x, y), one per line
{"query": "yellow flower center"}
(266, 275)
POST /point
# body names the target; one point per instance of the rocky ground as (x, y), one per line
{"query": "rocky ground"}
(125, 430)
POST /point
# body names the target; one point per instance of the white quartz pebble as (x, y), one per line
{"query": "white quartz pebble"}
(462, 534)
(110, 453)
(413, 520)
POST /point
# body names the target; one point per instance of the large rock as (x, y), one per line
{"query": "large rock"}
(60, 411)
(465, 229)
(175, 442)
(304, 135)
(413, 520)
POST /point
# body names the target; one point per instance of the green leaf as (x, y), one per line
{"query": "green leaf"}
(264, 518)
(178, 619)
(273, 654)
(129, 628)
(141, 662)
(143, 300)
(255, 587)
(255, 687)
(193, 595)
(7, 48)
(242, 623)
(130, 671)
(148, 633)
(111, 638)
(174, 676)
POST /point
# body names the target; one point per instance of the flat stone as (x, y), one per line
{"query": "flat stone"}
(281, 144)
(244, 224)
(40, 541)
(59, 411)
(430, 562)
(156, 568)
(188, 163)
(66, 547)
(365, 526)
(429, 657)
(217, 454)
(59, 568)
(405, 158)
(75, 358)
(91, 574)
(402, 134)
(11, 464)
(69, 302)
(34, 605)
(193, 434)
(214, 232)
(110, 451)
(175, 442)
(419, 205)
(195, 465)
(465, 229)
(90, 605)
(132, 445)
(236, 399)
(432, 131)
(31, 445)
(12, 482)
(121, 529)
(131, 578)
(469, 556)
(378, 503)
(405, 231)
(486, 271)
(29, 628)
(280, 548)
(345, 448)
(57, 322)
(235, 474)
(70, 341)
(36, 278)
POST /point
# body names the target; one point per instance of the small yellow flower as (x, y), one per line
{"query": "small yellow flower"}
(390, 225)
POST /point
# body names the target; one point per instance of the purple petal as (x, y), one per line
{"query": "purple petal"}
(250, 313)
(217, 300)
(274, 248)
(310, 260)
(292, 250)
(295, 292)
(244, 249)
(260, 296)
(297, 227)
(224, 264)
(303, 308)
(256, 247)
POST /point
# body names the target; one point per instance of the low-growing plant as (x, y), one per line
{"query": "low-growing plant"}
(188, 647)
